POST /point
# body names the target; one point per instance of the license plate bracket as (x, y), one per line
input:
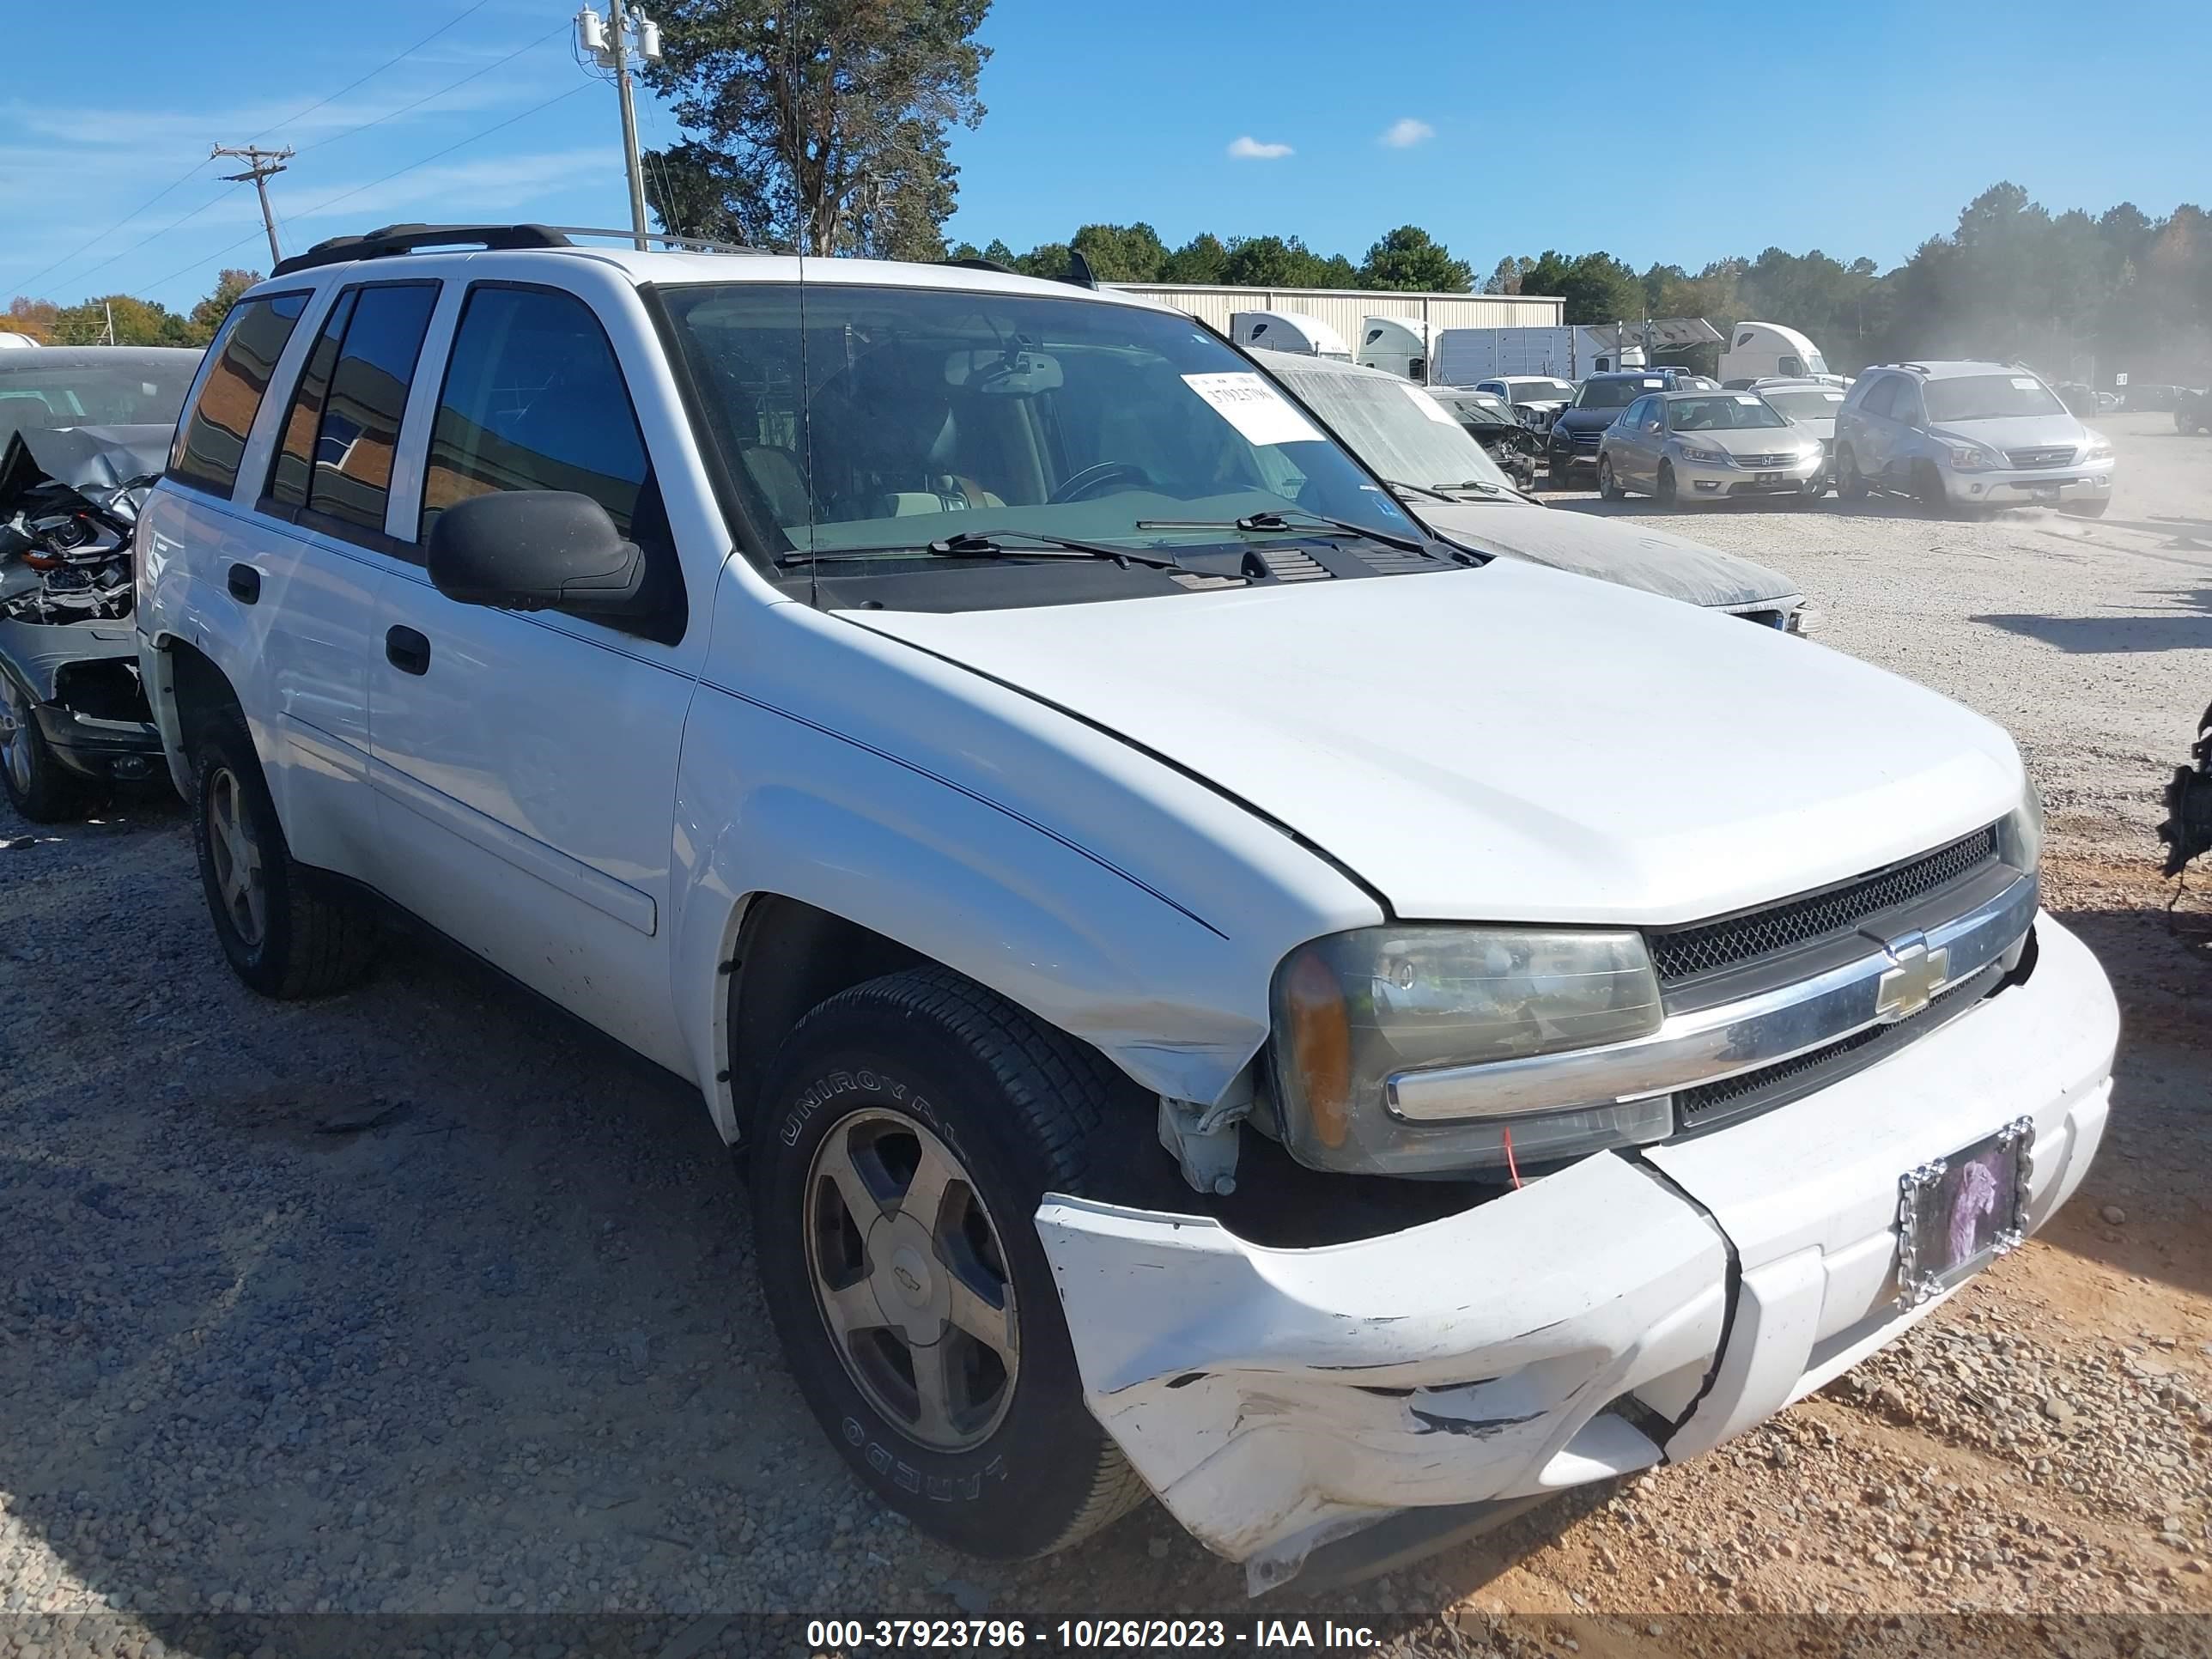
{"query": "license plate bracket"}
(1957, 1214)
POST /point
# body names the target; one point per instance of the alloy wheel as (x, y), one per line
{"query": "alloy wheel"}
(911, 1279)
(15, 736)
(236, 852)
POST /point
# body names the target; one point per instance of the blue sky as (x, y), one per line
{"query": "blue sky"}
(1858, 128)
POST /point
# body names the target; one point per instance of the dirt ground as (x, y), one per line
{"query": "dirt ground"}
(425, 1301)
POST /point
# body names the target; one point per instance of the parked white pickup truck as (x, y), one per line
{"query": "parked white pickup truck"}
(1223, 994)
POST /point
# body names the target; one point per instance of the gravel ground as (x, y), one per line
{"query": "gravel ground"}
(426, 1301)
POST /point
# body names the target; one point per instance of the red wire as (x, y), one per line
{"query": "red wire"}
(1513, 1168)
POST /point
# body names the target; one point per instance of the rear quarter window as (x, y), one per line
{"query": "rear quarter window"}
(211, 437)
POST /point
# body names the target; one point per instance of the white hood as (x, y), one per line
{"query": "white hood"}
(1512, 743)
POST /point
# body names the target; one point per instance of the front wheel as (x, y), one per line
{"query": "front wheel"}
(1928, 490)
(37, 786)
(1668, 493)
(1850, 482)
(2095, 508)
(1608, 485)
(909, 1127)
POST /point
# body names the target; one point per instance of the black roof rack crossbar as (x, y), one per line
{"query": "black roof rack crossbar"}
(407, 238)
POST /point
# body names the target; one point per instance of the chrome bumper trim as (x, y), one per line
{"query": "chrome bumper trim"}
(1889, 984)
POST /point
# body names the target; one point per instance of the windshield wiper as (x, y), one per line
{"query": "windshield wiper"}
(975, 544)
(1277, 523)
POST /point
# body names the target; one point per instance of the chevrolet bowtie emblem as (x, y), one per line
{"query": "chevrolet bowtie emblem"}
(1908, 987)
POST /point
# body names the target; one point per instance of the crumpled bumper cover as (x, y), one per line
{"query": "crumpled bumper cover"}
(1612, 1315)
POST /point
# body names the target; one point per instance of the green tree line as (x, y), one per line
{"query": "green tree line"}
(2012, 281)
(136, 321)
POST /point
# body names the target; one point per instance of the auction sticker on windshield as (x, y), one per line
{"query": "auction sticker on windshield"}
(1256, 409)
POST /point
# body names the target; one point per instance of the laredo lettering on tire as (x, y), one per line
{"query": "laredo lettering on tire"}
(910, 1126)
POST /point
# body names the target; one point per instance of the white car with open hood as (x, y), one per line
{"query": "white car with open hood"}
(1224, 993)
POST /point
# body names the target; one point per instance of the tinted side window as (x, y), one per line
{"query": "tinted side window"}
(212, 436)
(1883, 399)
(1790, 365)
(534, 400)
(295, 445)
(351, 478)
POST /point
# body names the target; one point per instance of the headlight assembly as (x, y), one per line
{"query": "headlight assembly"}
(1355, 1010)
(1968, 458)
(1706, 457)
(2020, 836)
(2100, 450)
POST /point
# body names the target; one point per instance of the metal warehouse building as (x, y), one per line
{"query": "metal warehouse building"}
(1344, 308)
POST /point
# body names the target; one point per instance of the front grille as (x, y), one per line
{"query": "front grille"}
(1757, 462)
(2031, 457)
(1711, 1104)
(1683, 953)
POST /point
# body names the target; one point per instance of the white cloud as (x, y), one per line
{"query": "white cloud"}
(1249, 149)
(1405, 133)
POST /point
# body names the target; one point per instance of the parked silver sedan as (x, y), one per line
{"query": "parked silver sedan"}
(1707, 445)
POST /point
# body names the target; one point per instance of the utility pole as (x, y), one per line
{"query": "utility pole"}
(260, 165)
(609, 44)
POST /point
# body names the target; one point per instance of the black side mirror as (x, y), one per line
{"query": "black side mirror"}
(537, 550)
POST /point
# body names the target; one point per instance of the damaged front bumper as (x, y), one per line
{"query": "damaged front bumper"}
(79, 681)
(1622, 1312)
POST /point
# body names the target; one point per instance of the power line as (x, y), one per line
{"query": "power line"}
(91, 241)
(346, 195)
(26, 284)
(378, 70)
(261, 165)
(389, 115)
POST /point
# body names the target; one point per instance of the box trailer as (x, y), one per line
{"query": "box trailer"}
(1464, 355)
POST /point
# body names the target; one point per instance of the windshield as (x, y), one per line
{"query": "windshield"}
(892, 418)
(1617, 394)
(1815, 363)
(1476, 409)
(1807, 403)
(1394, 426)
(126, 393)
(1988, 398)
(1722, 411)
(1541, 392)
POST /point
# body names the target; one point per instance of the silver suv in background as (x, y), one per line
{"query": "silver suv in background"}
(1957, 435)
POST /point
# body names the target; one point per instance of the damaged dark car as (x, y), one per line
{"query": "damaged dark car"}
(2187, 831)
(84, 431)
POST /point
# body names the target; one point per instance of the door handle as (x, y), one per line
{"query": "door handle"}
(407, 651)
(244, 583)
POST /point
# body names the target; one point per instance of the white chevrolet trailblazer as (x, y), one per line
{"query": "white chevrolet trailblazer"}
(1224, 994)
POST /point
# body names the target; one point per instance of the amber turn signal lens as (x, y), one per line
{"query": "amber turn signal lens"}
(1320, 1045)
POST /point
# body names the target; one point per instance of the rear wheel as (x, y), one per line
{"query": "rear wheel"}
(1850, 482)
(286, 930)
(1668, 493)
(38, 786)
(910, 1126)
(1608, 485)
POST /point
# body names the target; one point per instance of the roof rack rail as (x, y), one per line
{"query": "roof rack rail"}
(407, 239)
(687, 243)
(415, 238)
(1917, 368)
(979, 264)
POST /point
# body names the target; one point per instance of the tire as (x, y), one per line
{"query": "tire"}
(2091, 509)
(38, 786)
(287, 931)
(1928, 490)
(1667, 493)
(1608, 485)
(1850, 482)
(926, 1063)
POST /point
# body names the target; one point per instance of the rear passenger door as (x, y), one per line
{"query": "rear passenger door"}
(321, 510)
(524, 764)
